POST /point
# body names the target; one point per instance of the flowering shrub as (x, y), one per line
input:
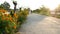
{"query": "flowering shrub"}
(9, 24)
(22, 16)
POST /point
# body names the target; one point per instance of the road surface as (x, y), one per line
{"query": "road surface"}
(38, 24)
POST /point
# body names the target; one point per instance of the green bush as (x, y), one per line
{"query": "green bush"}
(9, 23)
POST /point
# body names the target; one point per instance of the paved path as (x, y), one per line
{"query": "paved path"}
(38, 24)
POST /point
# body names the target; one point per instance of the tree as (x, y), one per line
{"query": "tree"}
(57, 11)
(1, 7)
(43, 11)
(36, 11)
(5, 5)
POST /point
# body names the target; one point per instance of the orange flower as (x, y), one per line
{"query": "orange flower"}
(6, 15)
(11, 19)
(2, 10)
(7, 18)
(14, 27)
(15, 15)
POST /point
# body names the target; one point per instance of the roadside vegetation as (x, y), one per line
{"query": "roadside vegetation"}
(47, 12)
(42, 11)
(10, 22)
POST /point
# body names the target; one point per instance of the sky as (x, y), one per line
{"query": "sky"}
(33, 4)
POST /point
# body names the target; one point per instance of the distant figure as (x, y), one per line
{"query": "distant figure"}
(31, 11)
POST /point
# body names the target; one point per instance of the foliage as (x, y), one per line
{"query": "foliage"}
(57, 12)
(10, 23)
(36, 11)
(1, 7)
(22, 15)
(58, 16)
(7, 23)
(5, 5)
(43, 11)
